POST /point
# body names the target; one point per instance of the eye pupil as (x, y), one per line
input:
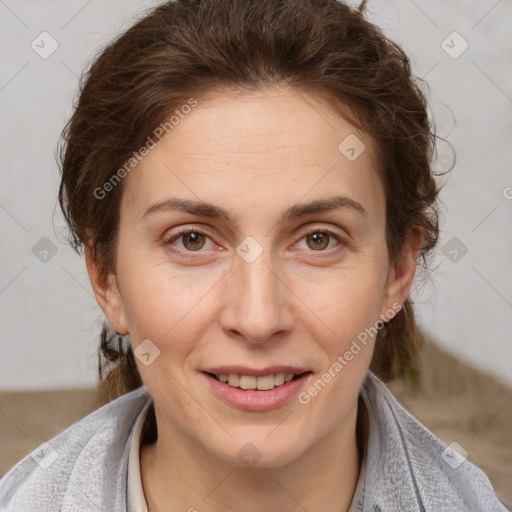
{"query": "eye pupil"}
(319, 238)
(194, 239)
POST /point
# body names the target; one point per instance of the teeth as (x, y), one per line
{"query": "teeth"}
(262, 383)
(278, 379)
(248, 382)
(234, 380)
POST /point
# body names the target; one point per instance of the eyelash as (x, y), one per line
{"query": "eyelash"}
(190, 254)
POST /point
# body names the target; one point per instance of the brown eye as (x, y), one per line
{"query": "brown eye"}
(190, 241)
(193, 241)
(318, 240)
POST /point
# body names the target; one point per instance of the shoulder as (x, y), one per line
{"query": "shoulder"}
(83, 468)
(410, 467)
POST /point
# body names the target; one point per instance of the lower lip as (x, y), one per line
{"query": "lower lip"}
(256, 400)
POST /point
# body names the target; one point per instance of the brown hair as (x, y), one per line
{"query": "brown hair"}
(185, 48)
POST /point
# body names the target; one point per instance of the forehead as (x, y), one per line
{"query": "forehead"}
(256, 146)
(280, 120)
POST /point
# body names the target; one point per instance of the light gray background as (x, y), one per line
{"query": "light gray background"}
(50, 320)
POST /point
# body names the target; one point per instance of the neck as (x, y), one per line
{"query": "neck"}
(321, 479)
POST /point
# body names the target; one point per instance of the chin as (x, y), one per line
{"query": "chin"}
(260, 452)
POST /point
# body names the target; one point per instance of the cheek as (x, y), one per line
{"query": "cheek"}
(345, 302)
(345, 326)
(158, 300)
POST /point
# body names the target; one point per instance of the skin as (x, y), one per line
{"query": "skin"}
(301, 302)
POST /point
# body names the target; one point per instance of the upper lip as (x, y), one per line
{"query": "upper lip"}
(245, 370)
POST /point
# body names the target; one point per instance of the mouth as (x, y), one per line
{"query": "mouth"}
(256, 390)
(253, 382)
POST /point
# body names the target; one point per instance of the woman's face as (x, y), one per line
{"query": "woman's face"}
(250, 238)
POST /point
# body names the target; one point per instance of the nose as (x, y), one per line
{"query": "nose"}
(257, 305)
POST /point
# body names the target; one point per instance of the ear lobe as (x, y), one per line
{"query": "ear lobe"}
(107, 293)
(402, 273)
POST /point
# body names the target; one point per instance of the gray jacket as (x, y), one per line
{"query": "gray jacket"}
(407, 468)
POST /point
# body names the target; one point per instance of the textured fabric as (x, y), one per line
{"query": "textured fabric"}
(407, 468)
(356, 505)
(85, 468)
(136, 500)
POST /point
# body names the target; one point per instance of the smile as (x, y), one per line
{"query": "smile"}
(263, 383)
(261, 393)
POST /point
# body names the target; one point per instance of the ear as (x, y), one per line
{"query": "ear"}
(107, 293)
(401, 273)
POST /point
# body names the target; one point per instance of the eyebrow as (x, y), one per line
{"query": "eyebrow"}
(216, 212)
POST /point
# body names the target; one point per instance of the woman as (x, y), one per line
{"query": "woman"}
(251, 184)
